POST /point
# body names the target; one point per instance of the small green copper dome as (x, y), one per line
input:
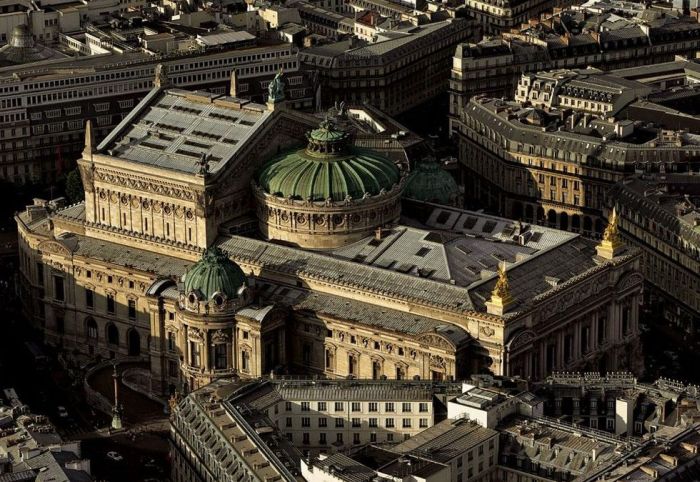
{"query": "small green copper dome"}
(329, 168)
(215, 273)
(430, 183)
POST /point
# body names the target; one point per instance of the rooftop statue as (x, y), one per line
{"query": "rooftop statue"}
(275, 89)
(502, 288)
(611, 234)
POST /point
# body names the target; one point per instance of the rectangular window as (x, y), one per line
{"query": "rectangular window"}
(339, 438)
(356, 422)
(339, 422)
(289, 422)
(89, 298)
(322, 422)
(132, 309)
(220, 356)
(373, 437)
(40, 274)
(172, 369)
(423, 423)
(373, 406)
(406, 407)
(58, 288)
(110, 304)
(389, 407)
(194, 354)
(322, 438)
(306, 422)
(406, 423)
(423, 407)
(171, 341)
(389, 423)
(321, 406)
(288, 406)
(356, 407)
(373, 422)
(305, 438)
(339, 406)
(305, 406)
(245, 361)
(356, 438)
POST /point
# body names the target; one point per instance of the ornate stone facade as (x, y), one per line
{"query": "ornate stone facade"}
(115, 289)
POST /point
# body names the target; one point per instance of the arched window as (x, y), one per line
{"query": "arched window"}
(91, 328)
(134, 341)
(112, 334)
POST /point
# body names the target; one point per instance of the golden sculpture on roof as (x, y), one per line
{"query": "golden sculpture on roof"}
(611, 234)
(502, 288)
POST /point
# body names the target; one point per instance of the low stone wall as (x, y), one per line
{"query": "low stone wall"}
(97, 400)
(139, 380)
(94, 398)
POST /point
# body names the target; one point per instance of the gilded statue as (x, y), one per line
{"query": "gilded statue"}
(502, 288)
(611, 234)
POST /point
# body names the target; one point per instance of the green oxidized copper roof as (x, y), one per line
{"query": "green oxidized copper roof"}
(329, 168)
(430, 183)
(215, 273)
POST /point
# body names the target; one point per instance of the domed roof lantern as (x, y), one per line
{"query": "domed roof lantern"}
(429, 182)
(329, 168)
(215, 275)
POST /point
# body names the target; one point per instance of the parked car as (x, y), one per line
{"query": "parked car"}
(116, 456)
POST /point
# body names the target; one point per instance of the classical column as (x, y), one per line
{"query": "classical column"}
(205, 348)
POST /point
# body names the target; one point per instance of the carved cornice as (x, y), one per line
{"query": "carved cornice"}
(145, 184)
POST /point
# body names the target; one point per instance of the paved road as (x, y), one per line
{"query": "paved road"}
(144, 448)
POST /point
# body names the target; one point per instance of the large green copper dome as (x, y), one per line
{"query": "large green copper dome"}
(215, 273)
(429, 182)
(329, 168)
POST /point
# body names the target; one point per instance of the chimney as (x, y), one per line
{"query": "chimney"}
(379, 233)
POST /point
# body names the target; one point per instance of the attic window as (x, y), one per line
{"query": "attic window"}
(423, 251)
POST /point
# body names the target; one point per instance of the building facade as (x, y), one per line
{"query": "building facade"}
(44, 106)
(158, 261)
(550, 155)
(659, 215)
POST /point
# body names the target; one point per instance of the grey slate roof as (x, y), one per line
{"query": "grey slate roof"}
(170, 130)
(346, 468)
(446, 440)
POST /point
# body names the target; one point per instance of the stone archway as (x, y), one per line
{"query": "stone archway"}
(134, 342)
(599, 226)
(576, 223)
(552, 218)
(540, 215)
(587, 225)
(564, 221)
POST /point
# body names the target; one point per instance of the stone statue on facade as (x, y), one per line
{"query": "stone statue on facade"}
(275, 90)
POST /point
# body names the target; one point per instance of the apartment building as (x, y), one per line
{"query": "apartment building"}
(550, 155)
(44, 106)
(660, 215)
(494, 66)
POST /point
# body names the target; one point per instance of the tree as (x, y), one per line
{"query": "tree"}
(74, 187)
